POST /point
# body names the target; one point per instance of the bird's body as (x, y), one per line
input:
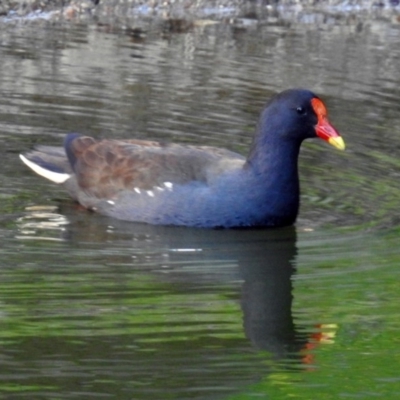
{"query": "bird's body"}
(197, 186)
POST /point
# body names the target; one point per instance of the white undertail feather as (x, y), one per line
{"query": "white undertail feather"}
(56, 177)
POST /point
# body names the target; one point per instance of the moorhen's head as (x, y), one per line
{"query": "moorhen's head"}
(298, 114)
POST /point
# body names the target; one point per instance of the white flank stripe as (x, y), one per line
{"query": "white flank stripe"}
(56, 177)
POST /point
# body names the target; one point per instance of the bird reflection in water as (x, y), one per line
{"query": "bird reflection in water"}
(263, 260)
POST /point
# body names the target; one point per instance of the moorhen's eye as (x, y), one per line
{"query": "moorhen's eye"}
(301, 110)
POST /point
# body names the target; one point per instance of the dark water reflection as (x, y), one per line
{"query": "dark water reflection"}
(155, 308)
(92, 307)
(107, 308)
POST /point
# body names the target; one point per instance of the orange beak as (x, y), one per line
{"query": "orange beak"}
(324, 128)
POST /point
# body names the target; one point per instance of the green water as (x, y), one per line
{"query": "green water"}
(134, 312)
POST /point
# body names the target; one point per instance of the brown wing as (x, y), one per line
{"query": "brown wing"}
(104, 168)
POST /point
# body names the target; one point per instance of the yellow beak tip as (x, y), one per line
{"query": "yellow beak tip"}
(337, 142)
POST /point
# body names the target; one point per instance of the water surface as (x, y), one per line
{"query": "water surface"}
(97, 308)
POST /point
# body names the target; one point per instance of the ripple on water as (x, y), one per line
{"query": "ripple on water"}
(97, 306)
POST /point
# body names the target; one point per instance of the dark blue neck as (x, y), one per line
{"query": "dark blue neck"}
(276, 156)
(272, 164)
